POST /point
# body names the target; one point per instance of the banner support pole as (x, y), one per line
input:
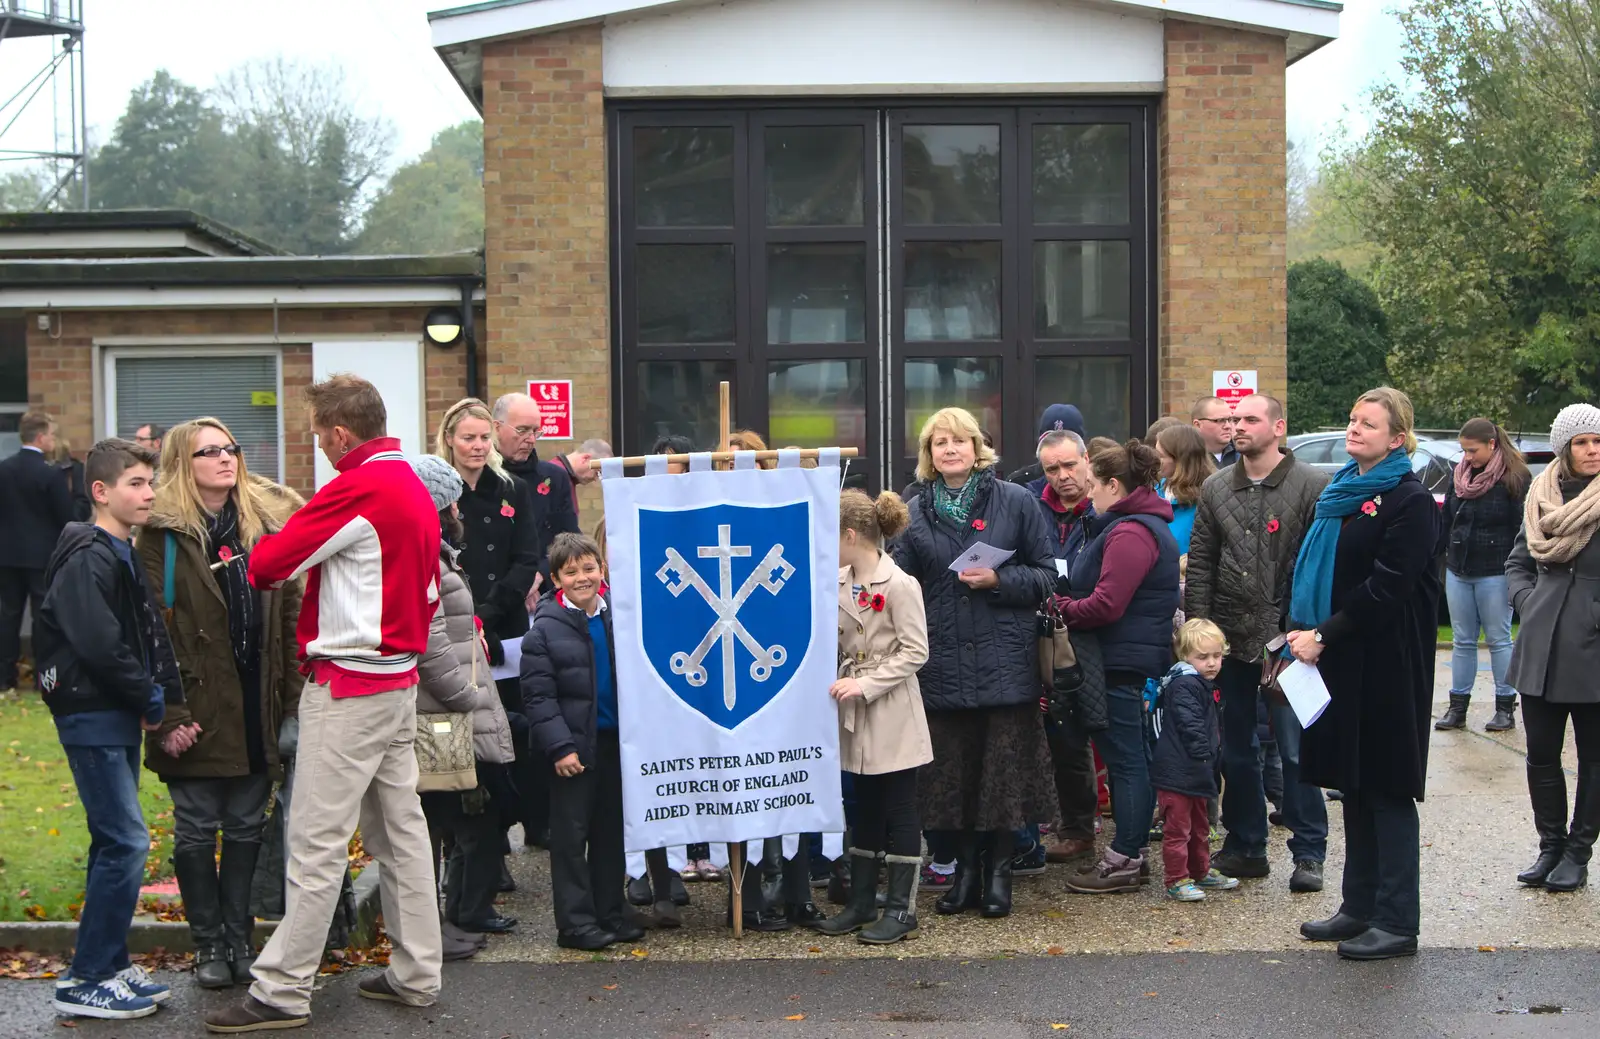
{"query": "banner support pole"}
(736, 868)
(725, 418)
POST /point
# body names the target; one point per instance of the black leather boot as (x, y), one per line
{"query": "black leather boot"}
(660, 880)
(899, 920)
(797, 905)
(1505, 715)
(1456, 716)
(1547, 789)
(238, 926)
(862, 908)
(1572, 872)
(839, 881)
(997, 874)
(966, 890)
(196, 869)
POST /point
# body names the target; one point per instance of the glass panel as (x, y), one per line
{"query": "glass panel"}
(685, 293)
(14, 360)
(951, 174)
(817, 404)
(1081, 290)
(10, 439)
(933, 383)
(814, 175)
(678, 397)
(952, 291)
(816, 293)
(1099, 386)
(1080, 174)
(683, 176)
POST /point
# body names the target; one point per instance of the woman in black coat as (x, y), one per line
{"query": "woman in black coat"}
(1554, 576)
(501, 557)
(991, 772)
(1363, 609)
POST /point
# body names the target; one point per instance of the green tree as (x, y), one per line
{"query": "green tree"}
(433, 203)
(1478, 186)
(1338, 343)
(168, 149)
(21, 190)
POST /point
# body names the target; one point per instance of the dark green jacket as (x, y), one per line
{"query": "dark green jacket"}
(198, 622)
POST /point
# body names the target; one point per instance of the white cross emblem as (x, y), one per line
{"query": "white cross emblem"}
(770, 573)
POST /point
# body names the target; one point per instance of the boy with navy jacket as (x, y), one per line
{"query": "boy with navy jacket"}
(107, 672)
(569, 691)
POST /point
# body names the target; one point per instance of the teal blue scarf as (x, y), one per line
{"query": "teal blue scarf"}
(1312, 599)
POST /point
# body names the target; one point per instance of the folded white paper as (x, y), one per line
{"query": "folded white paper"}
(512, 668)
(981, 556)
(1308, 695)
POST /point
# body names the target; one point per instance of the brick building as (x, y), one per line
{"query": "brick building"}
(110, 320)
(858, 211)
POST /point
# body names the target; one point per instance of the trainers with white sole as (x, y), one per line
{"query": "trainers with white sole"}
(111, 1000)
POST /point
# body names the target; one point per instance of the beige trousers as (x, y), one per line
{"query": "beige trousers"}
(355, 764)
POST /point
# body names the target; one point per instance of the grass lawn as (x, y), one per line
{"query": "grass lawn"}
(44, 842)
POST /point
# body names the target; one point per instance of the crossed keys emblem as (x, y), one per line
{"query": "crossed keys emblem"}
(771, 573)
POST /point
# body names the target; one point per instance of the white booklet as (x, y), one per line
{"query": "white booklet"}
(1308, 695)
(981, 556)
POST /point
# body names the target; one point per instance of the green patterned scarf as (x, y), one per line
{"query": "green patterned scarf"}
(955, 505)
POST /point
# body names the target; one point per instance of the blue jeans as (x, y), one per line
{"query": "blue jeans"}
(1244, 801)
(108, 786)
(1478, 602)
(1127, 758)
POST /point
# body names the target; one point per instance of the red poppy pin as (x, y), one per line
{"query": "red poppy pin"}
(877, 603)
(978, 524)
(1272, 525)
(863, 598)
(224, 553)
(544, 487)
(506, 510)
(1369, 508)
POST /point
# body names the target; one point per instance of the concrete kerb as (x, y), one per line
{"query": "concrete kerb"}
(145, 936)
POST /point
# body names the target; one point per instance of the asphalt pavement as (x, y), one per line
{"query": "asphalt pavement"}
(1299, 994)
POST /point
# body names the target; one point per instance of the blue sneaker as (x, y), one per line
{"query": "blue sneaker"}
(110, 999)
(140, 983)
(1030, 861)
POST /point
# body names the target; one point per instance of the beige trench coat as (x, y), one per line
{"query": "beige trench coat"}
(886, 729)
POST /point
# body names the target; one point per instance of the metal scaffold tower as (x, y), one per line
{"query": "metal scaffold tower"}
(57, 85)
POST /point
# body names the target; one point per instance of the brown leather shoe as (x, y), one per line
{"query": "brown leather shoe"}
(252, 1015)
(377, 987)
(1067, 850)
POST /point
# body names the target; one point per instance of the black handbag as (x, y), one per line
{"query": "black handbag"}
(1077, 684)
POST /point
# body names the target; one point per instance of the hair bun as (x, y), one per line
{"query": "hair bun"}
(892, 514)
(1144, 465)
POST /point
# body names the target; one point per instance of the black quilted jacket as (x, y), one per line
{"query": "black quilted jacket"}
(982, 645)
(1242, 552)
(1481, 531)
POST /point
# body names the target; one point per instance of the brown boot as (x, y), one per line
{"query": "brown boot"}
(252, 1015)
(1113, 873)
(1068, 850)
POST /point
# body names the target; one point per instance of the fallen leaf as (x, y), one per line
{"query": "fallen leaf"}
(795, 1017)
(813, 948)
(1054, 914)
(1271, 961)
(794, 999)
(641, 953)
(1054, 950)
(67, 1024)
(1178, 941)
(54, 832)
(609, 988)
(1058, 1026)
(1486, 948)
(1150, 995)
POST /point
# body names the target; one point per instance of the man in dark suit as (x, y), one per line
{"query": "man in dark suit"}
(34, 505)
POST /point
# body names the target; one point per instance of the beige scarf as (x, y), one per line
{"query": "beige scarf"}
(1557, 531)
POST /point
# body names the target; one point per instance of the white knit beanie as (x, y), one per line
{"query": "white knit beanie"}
(1572, 420)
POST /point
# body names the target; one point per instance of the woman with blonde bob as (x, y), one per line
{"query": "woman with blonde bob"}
(218, 750)
(1362, 608)
(991, 771)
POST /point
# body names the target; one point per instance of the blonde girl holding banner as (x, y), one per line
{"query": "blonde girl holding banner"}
(883, 732)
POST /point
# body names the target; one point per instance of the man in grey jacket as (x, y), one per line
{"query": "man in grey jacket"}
(1247, 533)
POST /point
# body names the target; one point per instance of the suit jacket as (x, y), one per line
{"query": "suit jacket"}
(35, 504)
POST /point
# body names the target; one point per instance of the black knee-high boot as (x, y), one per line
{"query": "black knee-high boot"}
(1547, 789)
(238, 926)
(997, 874)
(1572, 872)
(202, 905)
(798, 908)
(966, 888)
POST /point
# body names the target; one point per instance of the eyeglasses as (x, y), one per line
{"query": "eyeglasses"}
(1227, 420)
(213, 451)
(524, 432)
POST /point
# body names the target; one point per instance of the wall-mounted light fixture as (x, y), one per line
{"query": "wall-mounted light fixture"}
(442, 326)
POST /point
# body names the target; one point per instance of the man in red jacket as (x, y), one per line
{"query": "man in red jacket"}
(368, 543)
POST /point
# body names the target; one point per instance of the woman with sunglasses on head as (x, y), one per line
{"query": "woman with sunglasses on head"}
(218, 750)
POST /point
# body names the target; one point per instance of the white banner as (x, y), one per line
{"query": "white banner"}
(725, 591)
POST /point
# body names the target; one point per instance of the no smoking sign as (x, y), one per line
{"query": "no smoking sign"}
(1233, 386)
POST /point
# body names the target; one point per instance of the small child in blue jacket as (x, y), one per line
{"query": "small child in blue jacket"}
(1184, 772)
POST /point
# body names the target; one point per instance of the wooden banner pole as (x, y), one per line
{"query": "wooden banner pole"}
(736, 868)
(724, 443)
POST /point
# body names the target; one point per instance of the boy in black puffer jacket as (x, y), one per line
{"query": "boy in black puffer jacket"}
(569, 690)
(1184, 772)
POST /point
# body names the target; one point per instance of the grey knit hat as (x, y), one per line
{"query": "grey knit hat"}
(440, 478)
(1572, 420)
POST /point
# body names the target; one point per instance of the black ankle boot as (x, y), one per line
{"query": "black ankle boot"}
(1547, 789)
(1572, 872)
(1456, 716)
(899, 920)
(1505, 715)
(234, 879)
(966, 889)
(196, 869)
(997, 874)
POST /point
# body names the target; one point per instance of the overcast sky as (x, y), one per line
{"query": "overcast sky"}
(384, 47)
